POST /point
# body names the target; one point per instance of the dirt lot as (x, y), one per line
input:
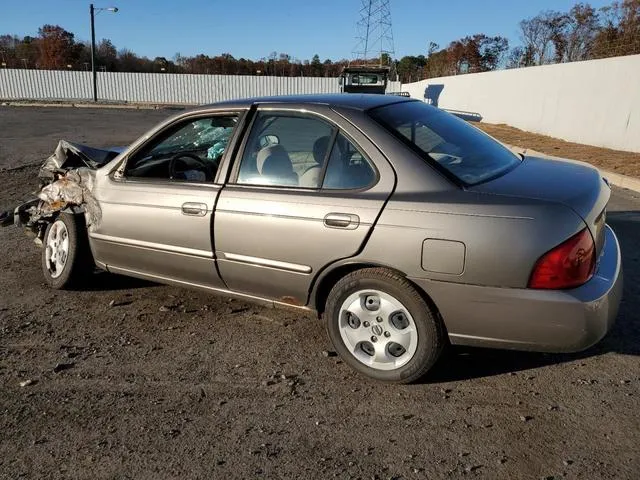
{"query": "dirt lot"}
(171, 383)
(29, 134)
(624, 163)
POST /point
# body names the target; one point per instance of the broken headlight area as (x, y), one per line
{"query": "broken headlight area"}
(70, 192)
(66, 185)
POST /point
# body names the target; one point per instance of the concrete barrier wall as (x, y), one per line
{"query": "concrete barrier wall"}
(17, 84)
(596, 102)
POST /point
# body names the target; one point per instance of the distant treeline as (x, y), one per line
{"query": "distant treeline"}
(582, 33)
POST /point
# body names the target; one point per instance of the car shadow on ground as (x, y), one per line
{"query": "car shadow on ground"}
(105, 281)
(461, 363)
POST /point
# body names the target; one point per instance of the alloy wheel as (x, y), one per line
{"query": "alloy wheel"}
(57, 248)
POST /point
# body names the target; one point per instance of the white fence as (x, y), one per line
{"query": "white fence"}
(155, 87)
(596, 102)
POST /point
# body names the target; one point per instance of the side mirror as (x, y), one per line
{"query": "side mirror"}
(268, 140)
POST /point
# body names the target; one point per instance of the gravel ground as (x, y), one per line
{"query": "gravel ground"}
(624, 163)
(128, 379)
(30, 134)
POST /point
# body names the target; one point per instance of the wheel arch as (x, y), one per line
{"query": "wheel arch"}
(40, 226)
(328, 278)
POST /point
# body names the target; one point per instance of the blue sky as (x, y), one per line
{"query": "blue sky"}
(254, 28)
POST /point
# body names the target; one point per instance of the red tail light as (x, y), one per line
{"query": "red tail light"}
(569, 265)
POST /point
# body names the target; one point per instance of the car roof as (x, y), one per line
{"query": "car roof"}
(349, 100)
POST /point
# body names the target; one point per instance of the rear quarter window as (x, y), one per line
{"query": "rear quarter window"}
(448, 142)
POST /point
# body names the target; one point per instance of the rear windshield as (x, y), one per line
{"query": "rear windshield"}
(463, 151)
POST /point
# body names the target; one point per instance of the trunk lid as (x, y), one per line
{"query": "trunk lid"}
(575, 184)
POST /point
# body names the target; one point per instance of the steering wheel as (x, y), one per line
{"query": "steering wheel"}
(201, 163)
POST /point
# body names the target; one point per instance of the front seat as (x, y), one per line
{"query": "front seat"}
(275, 167)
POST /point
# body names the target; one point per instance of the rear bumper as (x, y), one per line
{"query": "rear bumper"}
(537, 320)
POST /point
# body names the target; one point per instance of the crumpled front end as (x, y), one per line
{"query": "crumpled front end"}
(68, 155)
(67, 179)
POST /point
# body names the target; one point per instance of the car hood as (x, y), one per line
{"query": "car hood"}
(575, 184)
(69, 155)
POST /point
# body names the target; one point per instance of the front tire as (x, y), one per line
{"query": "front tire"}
(66, 256)
(382, 327)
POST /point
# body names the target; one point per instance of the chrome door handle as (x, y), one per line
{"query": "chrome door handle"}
(195, 209)
(342, 220)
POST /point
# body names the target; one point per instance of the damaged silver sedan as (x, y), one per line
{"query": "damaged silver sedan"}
(404, 227)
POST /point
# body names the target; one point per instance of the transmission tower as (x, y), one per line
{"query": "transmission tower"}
(374, 33)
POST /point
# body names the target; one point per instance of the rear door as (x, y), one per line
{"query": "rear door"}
(305, 191)
(157, 208)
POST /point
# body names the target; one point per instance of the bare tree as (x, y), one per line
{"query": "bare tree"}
(515, 58)
(557, 23)
(542, 35)
(534, 35)
(581, 30)
(620, 30)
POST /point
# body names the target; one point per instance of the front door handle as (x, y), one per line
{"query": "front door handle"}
(348, 221)
(194, 208)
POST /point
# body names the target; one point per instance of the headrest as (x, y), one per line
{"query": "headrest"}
(320, 149)
(273, 160)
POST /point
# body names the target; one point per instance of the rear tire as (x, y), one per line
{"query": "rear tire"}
(66, 257)
(382, 327)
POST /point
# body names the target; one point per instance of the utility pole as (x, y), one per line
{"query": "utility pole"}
(94, 75)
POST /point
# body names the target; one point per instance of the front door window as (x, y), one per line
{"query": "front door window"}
(191, 151)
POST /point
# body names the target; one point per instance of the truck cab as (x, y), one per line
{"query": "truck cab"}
(364, 79)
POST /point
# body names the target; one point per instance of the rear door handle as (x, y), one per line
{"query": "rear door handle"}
(348, 221)
(194, 208)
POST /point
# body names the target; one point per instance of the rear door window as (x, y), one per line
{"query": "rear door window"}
(300, 150)
(285, 149)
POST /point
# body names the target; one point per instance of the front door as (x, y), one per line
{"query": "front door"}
(304, 193)
(157, 208)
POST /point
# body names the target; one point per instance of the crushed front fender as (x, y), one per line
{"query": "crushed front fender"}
(67, 180)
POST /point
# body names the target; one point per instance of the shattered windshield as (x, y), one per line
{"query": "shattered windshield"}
(196, 135)
(190, 151)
